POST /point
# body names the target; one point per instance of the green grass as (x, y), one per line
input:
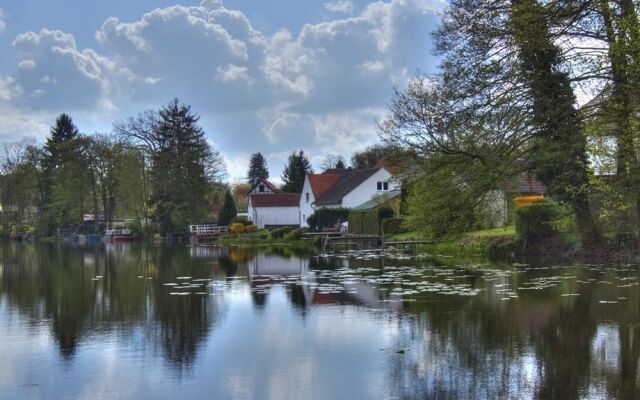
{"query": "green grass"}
(487, 233)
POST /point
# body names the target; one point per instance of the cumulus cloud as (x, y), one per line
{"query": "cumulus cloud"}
(319, 88)
(341, 7)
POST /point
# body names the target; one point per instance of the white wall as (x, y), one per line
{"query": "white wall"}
(368, 189)
(305, 207)
(263, 216)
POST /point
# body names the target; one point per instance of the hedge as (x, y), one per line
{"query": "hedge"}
(327, 218)
(365, 222)
(236, 228)
(536, 220)
(279, 233)
(392, 226)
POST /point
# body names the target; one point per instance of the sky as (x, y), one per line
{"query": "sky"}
(270, 76)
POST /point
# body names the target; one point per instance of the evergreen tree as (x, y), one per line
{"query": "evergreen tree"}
(297, 168)
(179, 171)
(340, 164)
(228, 211)
(257, 169)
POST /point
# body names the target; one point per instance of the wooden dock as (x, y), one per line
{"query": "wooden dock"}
(333, 242)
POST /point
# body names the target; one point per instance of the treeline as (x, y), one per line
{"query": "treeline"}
(156, 168)
(504, 103)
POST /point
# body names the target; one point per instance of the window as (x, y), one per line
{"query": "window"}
(383, 186)
(307, 196)
(261, 188)
(379, 185)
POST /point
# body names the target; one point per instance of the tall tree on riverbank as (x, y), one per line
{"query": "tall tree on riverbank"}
(258, 170)
(228, 211)
(295, 172)
(182, 166)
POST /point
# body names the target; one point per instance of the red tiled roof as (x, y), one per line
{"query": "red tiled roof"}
(320, 183)
(525, 183)
(275, 200)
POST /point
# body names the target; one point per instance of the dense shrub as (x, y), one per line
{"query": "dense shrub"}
(279, 233)
(365, 221)
(536, 220)
(385, 212)
(392, 226)
(296, 234)
(236, 228)
(250, 228)
(327, 218)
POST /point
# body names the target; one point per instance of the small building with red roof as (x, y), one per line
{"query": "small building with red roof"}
(274, 209)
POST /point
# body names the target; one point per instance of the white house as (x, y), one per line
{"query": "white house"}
(274, 209)
(346, 188)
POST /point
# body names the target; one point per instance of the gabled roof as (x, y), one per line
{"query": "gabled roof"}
(320, 183)
(525, 183)
(266, 182)
(348, 181)
(275, 200)
(378, 200)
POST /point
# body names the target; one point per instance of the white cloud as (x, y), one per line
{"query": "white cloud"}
(319, 89)
(3, 24)
(341, 7)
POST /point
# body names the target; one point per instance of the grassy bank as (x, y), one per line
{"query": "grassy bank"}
(488, 242)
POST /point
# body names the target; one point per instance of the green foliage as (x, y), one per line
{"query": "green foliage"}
(438, 207)
(228, 211)
(364, 222)
(385, 212)
(295, 172)
(392, 226)
(257, 169)
(296, 234)
(536, 221)
(279, 233)
(327, 218)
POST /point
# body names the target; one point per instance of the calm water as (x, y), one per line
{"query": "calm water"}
(155, 322)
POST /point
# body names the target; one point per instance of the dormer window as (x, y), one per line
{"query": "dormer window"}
(383, 186)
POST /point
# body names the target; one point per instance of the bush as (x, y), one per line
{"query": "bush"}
(364, 222)
(236, 229)
(385, 212)
(296, 234)
(327, 218)
(279, 233)
(250, 228)
(392, 226)
(536, 220)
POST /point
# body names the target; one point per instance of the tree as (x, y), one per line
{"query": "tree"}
(182, 167)
(258, 170)
(295, 172)
(228, 211)
(333, 161)
(369, 157)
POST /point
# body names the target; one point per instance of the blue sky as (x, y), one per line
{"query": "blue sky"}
(270, 76)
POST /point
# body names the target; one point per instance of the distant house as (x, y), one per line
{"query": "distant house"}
(500, 209)
(274, 209)
(263, 186)
(346, 188)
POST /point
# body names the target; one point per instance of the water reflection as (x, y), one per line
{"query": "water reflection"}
(270, 323)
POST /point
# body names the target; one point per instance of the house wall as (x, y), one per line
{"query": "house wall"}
(305, 207)
(368, 189)
(270, 216)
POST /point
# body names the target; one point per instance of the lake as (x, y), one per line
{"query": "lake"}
(136, 321)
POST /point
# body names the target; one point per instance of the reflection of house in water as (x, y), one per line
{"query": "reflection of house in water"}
(308, 287)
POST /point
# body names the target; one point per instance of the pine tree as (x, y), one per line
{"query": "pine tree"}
(257, 169)
(228, 211)
(179, 175)
(297, 168)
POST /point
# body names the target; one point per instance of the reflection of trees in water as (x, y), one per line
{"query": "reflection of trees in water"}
(540, 346)
(49, 282)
